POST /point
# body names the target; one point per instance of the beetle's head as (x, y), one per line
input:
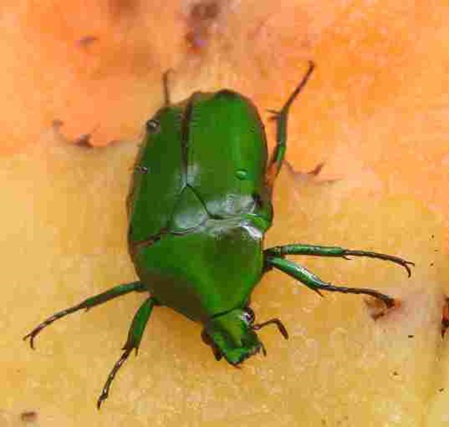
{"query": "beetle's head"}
(232, 335)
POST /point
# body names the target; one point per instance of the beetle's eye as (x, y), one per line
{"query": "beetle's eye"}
(152, 126)
(249, 315)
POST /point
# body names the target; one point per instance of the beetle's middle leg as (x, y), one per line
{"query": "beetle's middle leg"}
(313, 282)
(333, 251)
(281, 118)
(88, 303)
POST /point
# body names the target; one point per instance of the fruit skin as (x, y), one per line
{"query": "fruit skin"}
(199, 205)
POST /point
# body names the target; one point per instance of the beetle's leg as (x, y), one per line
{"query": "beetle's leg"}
(166, 87)
(333, 251)
(313, 282)
(112, 293)
(281, 118)
(135, 334)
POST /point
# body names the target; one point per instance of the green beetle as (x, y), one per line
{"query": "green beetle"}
(199, 207)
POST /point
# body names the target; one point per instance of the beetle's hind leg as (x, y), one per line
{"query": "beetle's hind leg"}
(135, 334)
(313, 282)
(334, 251)
(99, 299)
(281, 118)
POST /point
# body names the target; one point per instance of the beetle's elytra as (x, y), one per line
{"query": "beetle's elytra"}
(199, 207)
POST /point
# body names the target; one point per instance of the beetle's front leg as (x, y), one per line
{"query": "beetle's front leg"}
(333, 251)
(135, 334)
(88, 303)
(313, 282)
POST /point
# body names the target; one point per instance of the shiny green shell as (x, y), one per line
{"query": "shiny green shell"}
(198, 204)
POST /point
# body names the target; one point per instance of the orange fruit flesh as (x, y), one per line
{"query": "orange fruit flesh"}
(372, 112)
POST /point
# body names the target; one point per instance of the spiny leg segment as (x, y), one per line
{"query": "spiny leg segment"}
(281, 118)
(274, 257)
(87, 304)
(135, 334)
(334, 251)
(313, 282)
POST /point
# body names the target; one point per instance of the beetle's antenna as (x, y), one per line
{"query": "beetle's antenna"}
(274, 321)
(166, 87)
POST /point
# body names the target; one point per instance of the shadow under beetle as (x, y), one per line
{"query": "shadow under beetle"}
(199, 206)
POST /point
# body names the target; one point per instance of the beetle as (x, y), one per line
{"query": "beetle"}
(199, 206)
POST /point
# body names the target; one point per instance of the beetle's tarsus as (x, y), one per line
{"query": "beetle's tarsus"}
(105, 392)
(396, 260)
(87, 304)
(35, 332)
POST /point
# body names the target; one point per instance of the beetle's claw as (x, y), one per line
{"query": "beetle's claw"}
(103, 396)
(399, 261)
(403, 263)
(406, 266)
(31, 336)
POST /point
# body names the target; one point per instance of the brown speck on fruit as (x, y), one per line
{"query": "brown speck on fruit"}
(445, 317)
(84, 141)
(378, 309)
(200, 19)
(57, 124)
(123, 8)
(28, 417)
(86, 41)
